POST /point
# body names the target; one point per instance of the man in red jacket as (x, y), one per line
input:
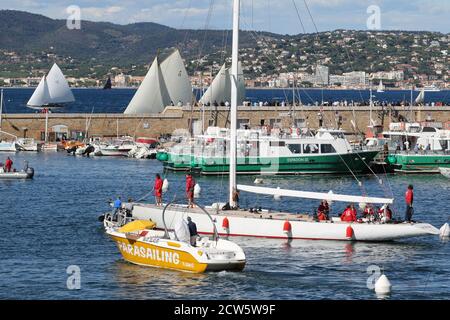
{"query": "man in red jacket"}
(349, 214)
(8, 165)
(190, 184)
(158, 190)
(409, 198)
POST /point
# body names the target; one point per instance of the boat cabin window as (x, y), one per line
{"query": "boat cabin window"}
(337, 135)
(311, 148)
(295, 148)
(327, 148)
(277, 143)
(429, 129)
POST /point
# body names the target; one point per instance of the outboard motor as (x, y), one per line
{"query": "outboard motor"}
(89, 150)
(30, 172)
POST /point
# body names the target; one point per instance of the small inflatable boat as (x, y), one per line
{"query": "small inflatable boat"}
(27, 174)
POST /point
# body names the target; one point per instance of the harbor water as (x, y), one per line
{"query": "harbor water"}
(116, 100)
(51, 222)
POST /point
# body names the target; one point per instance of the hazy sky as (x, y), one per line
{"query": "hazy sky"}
(277, 16)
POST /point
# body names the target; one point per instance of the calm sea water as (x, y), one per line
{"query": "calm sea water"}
(50, 223)
(116, 100)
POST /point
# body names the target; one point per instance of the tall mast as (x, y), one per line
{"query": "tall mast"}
(234, 100)
(371, 102)
(1, 110)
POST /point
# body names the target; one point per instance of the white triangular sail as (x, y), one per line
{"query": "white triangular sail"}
(40, 96)
(380, 86)
(176, 79)
(314, 195)
(421, 97)
(220, 89)
(58, 87)
(152, 95)
(52, 90)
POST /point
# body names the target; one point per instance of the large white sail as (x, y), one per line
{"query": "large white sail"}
(152, 95)
(52, 90)
(421, 97)
(176, 79)
(40, 96)
(58, 87)
(220, 89)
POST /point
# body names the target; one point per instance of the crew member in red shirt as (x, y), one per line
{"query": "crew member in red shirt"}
(8, 165)
(324, 208)
(158, 189)
(190, 184)
(349, 214)
(409, 198)
(385, 213)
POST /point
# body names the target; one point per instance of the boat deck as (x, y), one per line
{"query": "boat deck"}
(244, 213)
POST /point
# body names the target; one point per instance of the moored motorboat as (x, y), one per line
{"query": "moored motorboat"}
(445, 172)
(140, 244)
(26, 173)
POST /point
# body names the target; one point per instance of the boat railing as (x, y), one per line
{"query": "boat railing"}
(422, 152)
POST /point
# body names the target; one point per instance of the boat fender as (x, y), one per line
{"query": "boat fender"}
(444, 231)
(197, 190)
(349, 233)
(287, 227)
(383, 285)
(165, 185)
(277, 196)
(226, 224)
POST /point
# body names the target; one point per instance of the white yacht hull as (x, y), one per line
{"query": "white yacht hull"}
(8, 147)
(246, 224)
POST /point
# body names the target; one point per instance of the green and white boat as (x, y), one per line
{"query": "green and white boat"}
(417, 149)
(261, 151)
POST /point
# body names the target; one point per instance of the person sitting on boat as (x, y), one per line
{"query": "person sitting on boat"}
(385, 213)
(324, 208)
(158, 190)
(8, 164)
(190, 184)
(192, 231)
(349, 214)
(369, 213)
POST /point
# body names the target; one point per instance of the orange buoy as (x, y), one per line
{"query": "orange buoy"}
(225, 223)
(349, 233)
(287, 227)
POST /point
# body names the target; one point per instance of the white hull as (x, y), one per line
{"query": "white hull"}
(8, 147)
(445, 172)
(15, 175)
(49, 147)
(246, 224)
(113, 152)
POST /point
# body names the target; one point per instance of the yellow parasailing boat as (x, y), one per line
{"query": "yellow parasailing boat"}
(141, 244)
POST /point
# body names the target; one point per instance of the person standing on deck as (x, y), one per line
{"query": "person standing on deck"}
(158, 190)
(116, 206)
(192, 231)
(8, 164)
(190, 184)
(409, 198)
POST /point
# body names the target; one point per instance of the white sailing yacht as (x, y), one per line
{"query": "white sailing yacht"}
(263, 223)
(52, 92)
(380, 86)
(166, 83)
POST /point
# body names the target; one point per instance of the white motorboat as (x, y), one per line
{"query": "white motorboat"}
(27, 144)
(445, 172)
(8, 146)
(49, 147)
(118, 148)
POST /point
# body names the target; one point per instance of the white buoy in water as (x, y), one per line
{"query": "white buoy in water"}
(277, 196)
(383, 286)
(258, 181)
(197, 190)
(165, 185)
(444, 231)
